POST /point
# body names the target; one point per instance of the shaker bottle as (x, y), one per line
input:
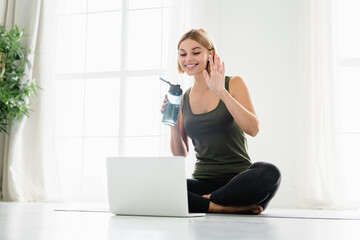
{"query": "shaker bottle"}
(171, 111)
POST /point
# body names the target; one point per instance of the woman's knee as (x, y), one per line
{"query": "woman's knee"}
(269, 172)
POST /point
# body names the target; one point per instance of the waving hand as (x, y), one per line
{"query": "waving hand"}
(216, 79)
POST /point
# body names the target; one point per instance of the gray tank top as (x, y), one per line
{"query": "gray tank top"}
(220, 144)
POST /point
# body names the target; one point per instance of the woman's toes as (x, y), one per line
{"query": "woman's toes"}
(257, 209)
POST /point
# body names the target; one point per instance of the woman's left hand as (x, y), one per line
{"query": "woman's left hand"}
(216, 80)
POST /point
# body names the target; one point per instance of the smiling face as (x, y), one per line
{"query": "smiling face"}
(192, 57)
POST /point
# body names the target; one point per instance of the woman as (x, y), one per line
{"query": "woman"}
(215, 113)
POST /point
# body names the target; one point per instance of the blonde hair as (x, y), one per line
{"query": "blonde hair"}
(201, 36)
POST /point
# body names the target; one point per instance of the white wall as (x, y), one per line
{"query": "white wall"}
(263, 42)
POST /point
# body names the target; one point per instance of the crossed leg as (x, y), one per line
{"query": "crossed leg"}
(248, 192)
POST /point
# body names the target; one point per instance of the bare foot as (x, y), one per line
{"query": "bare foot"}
(216, 208)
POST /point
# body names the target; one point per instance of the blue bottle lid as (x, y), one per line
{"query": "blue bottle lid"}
(173, 87)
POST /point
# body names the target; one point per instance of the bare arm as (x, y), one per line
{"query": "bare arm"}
(179, 143)
(240, 106)
(237, 100)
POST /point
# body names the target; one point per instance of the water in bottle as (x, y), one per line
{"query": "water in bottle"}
(171, 111)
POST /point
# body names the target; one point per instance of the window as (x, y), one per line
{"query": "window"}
(348, 92)
(107, 91)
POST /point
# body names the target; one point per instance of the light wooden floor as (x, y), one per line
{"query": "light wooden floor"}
(37, 221)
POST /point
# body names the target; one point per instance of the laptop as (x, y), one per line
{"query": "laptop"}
(148, 186)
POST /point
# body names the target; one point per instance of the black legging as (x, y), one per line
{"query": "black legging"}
(257, 185)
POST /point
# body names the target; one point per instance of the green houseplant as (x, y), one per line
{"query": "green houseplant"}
(16, 88)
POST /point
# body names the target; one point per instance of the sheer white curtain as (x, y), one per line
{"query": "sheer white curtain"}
(30, 171)
(322, 179)
(23, 153)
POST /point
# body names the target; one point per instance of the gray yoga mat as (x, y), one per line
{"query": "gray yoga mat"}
(311, 214)
(269, 213)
